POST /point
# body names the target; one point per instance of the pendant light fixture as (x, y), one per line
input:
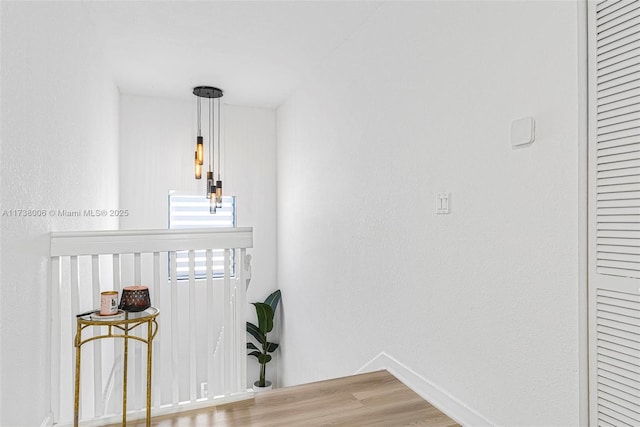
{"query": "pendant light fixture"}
(213, 189)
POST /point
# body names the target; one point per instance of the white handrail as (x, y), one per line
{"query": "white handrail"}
(138, 241)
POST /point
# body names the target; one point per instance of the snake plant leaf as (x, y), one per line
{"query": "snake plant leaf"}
(251, 346)
(257, 354)
(265, 317)
(271, 347)
(255, 331)
(273, 300)
(264, 358)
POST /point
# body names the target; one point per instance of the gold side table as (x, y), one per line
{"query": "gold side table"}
(118, 328)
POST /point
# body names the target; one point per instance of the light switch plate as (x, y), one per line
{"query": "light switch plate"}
(523, 132)
(443, 203)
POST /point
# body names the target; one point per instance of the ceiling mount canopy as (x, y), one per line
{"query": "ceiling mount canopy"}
(207, 92)
(214, 188)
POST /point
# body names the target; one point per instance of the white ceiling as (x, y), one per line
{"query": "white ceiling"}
(257, 52)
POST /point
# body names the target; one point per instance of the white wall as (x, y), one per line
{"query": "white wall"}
(59, 152)
(157, 142)
(482, 302)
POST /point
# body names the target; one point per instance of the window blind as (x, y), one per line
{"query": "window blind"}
(190, 212)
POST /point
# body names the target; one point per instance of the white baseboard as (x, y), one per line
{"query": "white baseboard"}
(429, 391)
(48, 420)
(164, 410)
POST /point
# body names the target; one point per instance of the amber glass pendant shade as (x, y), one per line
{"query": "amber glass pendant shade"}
(212, 199)
(218, 194)
(209, 183)
(198, 167)
(200, 151)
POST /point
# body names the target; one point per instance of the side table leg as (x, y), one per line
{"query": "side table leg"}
(149, 353)
(125, 363)
(76, 401)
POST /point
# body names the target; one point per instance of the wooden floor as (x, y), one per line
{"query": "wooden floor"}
(372, 399)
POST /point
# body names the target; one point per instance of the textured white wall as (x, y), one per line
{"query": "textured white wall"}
(157, 141)
(482, 302)
(59, 151)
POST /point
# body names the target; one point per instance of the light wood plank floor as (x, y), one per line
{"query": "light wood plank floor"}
(372, 399)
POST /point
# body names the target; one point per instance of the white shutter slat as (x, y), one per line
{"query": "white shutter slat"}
(631, 203)
(628, 161)
(603, 5)
(618, 62)
(627, 132)
(619, 188)
(614, 316)
(606, 421)
(622, 250)
(627, 108)
(619, 118)
(622, 88)
(629, 69)
(618, 173)
(619, 211)
(614, 342)
(609, 374)
(619, 272)
(620, 226)
(634, 243)
(618, 17)
(612, 151)
(619, 306)
(615, 11)
(627, 51)
(616, 103)
(624, 75)
(622, 24)
(619, 195)
(626, 399)
(618, 408)
(617, 335)
(629, 378)
(615, 128)
(627, 235)
(604, 183)
(619, 365)
(624, 296)
(622, 144)
(628, 354)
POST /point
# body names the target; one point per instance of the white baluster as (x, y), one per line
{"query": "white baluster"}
(97, 345)
(174, 331)
(193, 389)
(210, 325)
(55, 337)
(229, 359)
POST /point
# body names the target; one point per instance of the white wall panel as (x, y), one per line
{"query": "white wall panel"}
(482, 302)
(59, 137)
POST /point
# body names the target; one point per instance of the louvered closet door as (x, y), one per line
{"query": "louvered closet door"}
(614, 212)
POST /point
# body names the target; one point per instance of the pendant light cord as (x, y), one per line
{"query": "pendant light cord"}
(219, 141)
(210, 133)
(199, 118)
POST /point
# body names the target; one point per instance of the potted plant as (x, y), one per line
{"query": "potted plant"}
(265, 312)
